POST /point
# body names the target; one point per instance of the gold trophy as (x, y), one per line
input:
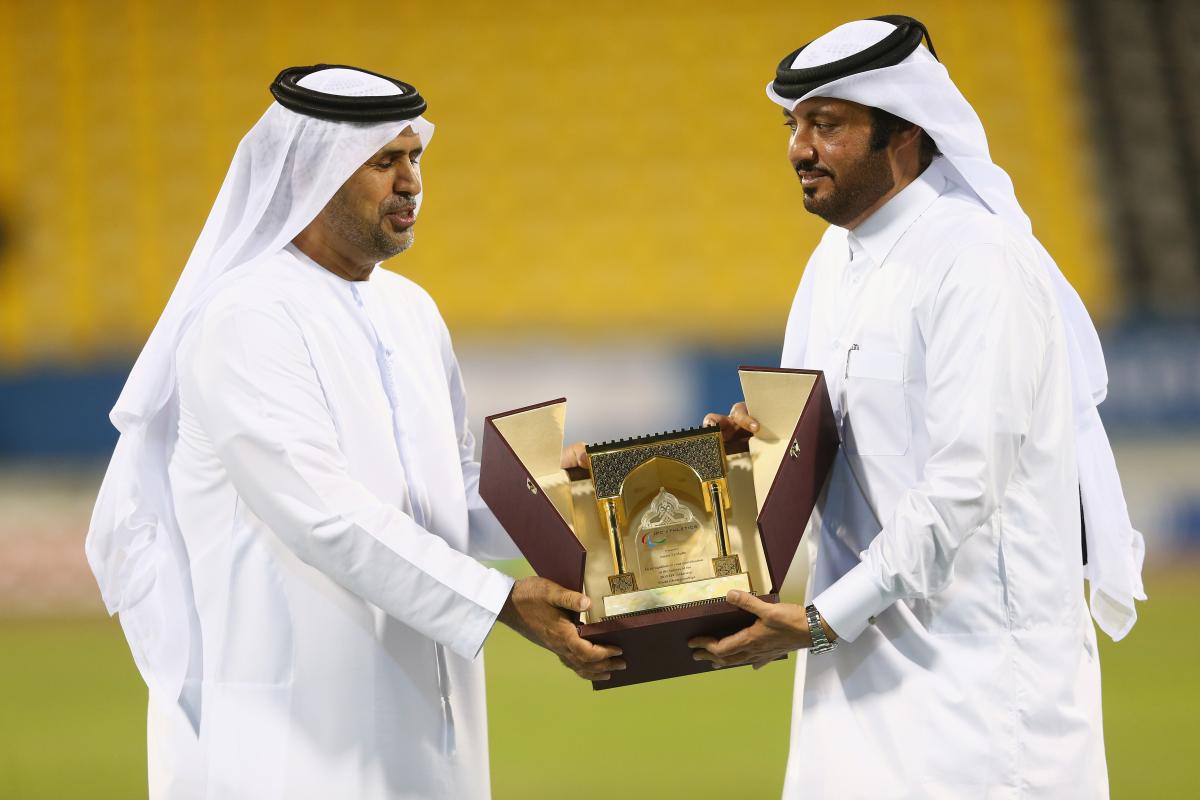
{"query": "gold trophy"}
(662, 500)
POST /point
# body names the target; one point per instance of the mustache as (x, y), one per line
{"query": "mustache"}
(811, 166)
(403, 202)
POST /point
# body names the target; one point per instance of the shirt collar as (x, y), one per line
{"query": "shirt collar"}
(329, 276)
(878, 233)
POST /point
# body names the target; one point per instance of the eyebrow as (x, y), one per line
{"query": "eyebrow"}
(392, 152)
(815, 112)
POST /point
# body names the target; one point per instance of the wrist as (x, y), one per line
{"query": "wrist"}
(508, 612)
(822, 638)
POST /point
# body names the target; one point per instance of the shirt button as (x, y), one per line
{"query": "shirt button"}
(870, 620)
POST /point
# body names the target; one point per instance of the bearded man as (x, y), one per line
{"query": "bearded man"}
(952, 655)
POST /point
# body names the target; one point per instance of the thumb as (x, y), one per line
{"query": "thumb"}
(747, 602)
(575, 455)
(571, 601)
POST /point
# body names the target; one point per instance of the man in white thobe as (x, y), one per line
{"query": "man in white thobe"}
(952, 651)
(291, 521)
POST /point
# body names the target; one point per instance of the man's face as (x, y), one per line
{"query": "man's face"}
(373, 213)
(830, 148)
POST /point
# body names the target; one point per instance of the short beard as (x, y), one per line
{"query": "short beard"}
(367, 235)
(854, 191)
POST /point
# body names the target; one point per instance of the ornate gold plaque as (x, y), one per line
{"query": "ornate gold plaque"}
(663, 500)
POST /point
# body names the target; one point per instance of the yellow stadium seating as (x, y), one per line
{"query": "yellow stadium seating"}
(601, 169)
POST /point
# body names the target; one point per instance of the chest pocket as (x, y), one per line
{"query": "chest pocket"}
(876, 422)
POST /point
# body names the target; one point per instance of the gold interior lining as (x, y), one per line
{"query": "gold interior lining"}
(776, 400)
(536, 436)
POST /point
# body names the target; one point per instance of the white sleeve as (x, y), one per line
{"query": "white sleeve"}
(488, 539)
(256, 394)
(986, 349)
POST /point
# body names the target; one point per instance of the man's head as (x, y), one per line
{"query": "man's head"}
(370, 216)
(852, 158)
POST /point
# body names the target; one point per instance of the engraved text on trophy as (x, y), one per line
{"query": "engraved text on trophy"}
(670, 544)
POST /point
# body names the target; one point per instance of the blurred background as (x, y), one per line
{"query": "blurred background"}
(609, 217)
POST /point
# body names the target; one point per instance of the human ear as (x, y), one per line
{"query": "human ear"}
(906, 137)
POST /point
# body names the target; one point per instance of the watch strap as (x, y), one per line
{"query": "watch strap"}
(820, 642)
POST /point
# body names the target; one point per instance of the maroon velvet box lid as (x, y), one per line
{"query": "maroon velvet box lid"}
(799, 479)
(510, 491)
(655, 644)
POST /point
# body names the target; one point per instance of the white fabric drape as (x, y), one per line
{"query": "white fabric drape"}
(284, 171)
(919, 89)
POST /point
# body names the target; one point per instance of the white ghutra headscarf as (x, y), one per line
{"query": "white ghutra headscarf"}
(918, 89)
(283, 173)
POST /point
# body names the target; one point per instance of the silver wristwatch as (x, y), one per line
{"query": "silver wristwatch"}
(820, 644)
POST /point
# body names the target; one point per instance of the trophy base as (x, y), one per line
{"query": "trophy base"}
(726, 565)
(705, 590)
(622, 583)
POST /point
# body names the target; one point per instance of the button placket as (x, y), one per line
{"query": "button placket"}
(385, 353)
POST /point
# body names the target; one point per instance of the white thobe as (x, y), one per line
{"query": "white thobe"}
(325, 484)
(948, 557)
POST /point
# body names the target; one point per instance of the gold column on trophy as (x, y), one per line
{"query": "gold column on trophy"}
(665, 497)
(717, 496)
(611, 513)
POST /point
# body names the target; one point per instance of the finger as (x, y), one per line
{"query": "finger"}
(605, 665)
(720, 661)
(740, 660)
(565, 598)
(729, 430)
(748, 602)
(742, 419)
(728, 657)
(575, 455)
(584, 652)
(735, 642)
(701, 641)
(588, 672)
(600, 655)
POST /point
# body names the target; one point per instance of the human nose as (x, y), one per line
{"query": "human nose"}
(801, 148)
(408, 178)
